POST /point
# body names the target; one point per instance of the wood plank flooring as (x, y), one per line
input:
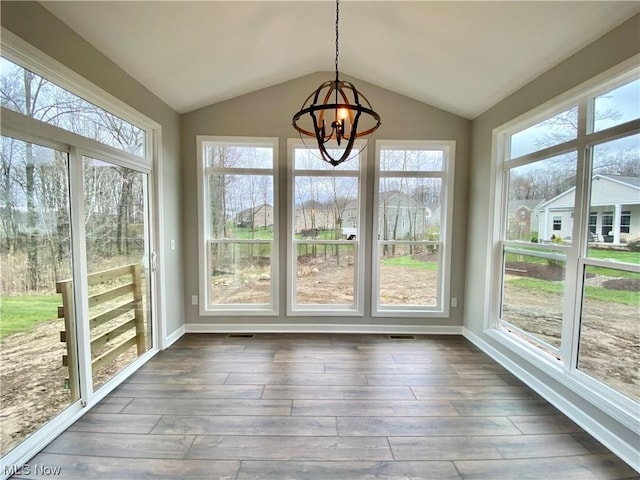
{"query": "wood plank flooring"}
(329, 407)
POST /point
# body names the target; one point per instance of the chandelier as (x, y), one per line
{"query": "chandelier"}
(340, 103)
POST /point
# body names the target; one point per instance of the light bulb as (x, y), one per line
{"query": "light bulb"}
(342, 114)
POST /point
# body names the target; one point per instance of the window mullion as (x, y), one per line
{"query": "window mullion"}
(574, 278)
(80, 272)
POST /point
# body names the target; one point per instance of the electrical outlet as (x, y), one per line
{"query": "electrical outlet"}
(194, 299)
(454, 301)
(172, 244)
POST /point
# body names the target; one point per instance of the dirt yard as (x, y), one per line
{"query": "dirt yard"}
(609, 349)
(32, 376)
(32, 381)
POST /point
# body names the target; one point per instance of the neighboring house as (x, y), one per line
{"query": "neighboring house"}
(314, 216)
(523, 218)
(614, 215)
(400, 217)
(259, 216)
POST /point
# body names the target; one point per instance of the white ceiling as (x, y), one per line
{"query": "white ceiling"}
(463, 57)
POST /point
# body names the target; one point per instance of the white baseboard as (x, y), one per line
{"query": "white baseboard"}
(173, 337)
(628, 453)
(322, 328)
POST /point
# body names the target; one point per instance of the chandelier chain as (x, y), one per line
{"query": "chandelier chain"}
(337, 35)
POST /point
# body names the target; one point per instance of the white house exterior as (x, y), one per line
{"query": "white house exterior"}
(614, 214)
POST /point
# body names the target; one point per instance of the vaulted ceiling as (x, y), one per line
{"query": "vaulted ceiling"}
(459, 56)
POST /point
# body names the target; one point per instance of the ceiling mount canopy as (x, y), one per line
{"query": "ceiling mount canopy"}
(349, 112)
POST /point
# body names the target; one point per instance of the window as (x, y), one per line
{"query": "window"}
(238, 225)
(551, 131)
(411, 255)
(34, 96)
(593, 223)
(76, 210)
(617, 106)
(569, 285)
(625, 221)
(325, 228)
(607, 226)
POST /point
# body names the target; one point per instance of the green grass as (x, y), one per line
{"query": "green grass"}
(594, 253)
(322, 235)
(409, 261)
(591, 293)
(259, 233)
(516, 257)
(608, 272)
(612, 296)
(555, 288)
(21, 313)
(616, 255)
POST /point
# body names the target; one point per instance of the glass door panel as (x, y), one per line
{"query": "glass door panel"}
(118, 265)
(38, 356)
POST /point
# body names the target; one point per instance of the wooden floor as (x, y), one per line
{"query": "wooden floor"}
(325, 407)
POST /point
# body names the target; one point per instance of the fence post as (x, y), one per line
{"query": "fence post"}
(136, 278)
(67, 311)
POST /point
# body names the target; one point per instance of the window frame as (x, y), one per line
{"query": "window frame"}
(329, 310)
(619, 406)
(625, 221)
(447, 174)
(204, 242)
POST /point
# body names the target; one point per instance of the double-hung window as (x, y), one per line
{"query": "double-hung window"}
(238, 225)
(412, 246)
(325, 226)
(570, 285)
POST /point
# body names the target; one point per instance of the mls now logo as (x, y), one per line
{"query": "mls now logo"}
(26, 469)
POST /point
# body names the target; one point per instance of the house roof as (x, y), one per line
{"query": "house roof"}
(391, 194)
(630, 182)
(530, 204)
(450, 54)
(255, 209)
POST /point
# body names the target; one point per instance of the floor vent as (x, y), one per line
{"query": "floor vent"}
(402, 337)
(240, 335)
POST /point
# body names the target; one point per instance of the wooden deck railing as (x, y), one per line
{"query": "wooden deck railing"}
(113, 310)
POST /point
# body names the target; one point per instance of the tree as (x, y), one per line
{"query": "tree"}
(41, 187)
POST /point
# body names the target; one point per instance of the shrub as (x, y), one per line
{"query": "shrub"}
(634, 245)
(557, 241)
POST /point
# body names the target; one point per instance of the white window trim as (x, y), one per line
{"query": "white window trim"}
(444, 262)
(357, 308)
(31, 130)
(619, 406)
(272, 308)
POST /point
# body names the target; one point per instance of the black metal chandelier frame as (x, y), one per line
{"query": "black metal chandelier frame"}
(344, 108)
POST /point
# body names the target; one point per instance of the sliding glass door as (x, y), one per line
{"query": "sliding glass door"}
(76, 247)
(118, 264)
(38, 371)
(75, 289)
